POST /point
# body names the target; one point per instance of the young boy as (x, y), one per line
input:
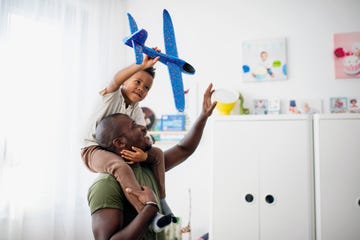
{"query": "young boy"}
(129, 86)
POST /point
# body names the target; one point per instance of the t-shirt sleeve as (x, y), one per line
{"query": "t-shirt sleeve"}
(138, 116)
(105, 193)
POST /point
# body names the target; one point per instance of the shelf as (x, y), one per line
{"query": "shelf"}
(167, 136)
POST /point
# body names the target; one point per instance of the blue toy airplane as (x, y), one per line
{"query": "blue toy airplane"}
(175, 65)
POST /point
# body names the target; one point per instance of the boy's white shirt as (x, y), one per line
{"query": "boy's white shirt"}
(111, 103)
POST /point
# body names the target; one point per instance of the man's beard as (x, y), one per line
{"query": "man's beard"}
(148, 147)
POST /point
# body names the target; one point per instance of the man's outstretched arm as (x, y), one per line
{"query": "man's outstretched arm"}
(181, 151)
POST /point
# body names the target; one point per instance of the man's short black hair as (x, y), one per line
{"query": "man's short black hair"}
(108, 129)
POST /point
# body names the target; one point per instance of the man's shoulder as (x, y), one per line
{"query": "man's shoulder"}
(105, 192)
(104, 180)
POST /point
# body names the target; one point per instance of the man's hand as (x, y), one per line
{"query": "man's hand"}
(208, 106)
(135, 156)
(144, 195)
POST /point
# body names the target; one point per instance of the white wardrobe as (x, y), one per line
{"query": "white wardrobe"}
(337, 176)
(263, 183)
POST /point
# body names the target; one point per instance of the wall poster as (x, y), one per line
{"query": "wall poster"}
(264, 60)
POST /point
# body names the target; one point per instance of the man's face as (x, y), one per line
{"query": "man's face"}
(137, 87)
(135, 134)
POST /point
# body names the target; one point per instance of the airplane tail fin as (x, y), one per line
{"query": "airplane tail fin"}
(132, 23)
(137, 41)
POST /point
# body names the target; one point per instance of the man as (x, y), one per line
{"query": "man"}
(112, 215)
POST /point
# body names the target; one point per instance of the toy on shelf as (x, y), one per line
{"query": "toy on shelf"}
(243, 110)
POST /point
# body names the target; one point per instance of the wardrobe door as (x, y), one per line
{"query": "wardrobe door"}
(337, 167)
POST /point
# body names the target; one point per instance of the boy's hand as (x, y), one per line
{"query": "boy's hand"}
(148, 61)
(137, 155)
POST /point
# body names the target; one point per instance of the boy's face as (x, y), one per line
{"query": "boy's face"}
(263, 56)
(137, 87)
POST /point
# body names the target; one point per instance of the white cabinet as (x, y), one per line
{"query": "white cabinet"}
(337, 168)
(262, 178)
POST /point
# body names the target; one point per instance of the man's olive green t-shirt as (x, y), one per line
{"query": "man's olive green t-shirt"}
(106, 192)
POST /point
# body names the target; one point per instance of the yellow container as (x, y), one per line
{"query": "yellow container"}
(226, 101)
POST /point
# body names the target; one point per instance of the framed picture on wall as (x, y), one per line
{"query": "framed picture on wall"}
(347, 55)
(264, 60)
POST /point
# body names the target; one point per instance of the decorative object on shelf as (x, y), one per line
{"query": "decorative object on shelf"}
(226, 100)
(261, 106)
(176, 66)
(354, 105)
(304, 106)
(274, 106)
(264, 60)
(347, 55)
(168, 136)
(243, 110)
(150, 117)
(173, 122)
(338, 104)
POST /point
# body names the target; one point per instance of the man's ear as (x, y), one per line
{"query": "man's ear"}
(119, 142)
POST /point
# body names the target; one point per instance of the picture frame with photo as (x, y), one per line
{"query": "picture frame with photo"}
(354, 104)
(261, 106)
(274, 106)
(338, 104)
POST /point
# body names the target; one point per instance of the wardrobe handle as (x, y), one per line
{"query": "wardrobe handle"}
(249, 197)
(269, 199)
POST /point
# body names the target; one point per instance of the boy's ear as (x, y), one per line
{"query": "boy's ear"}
(119, 142)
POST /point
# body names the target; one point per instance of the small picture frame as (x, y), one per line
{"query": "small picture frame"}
(304, 106)
(338, 104)
(261, 106)
(274, 106)
(354, 105)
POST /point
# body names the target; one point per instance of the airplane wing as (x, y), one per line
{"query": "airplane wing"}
(177, 86)
(132, 23)
(174, 69)
(136, 40)
(169, 35)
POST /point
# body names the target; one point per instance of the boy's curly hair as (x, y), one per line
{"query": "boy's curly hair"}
(151, 71)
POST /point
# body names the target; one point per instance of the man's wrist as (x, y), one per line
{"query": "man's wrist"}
(150, 203)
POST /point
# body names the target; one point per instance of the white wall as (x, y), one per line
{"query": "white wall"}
(209, 35)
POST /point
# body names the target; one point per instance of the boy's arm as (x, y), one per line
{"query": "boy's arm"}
(181, 151)
(124, 74)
